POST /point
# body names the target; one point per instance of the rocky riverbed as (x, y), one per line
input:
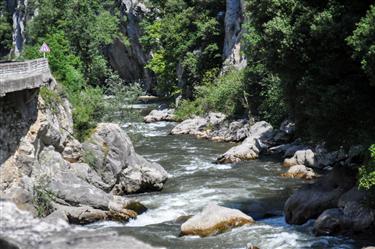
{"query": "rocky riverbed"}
(197, 183)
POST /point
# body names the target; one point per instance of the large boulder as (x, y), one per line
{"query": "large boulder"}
(213, 220)
(44, 168)
(313, 199)
(200, 126)
(160, 115)
(301, 172)
(352, 215)
(301, 157)
(252, 146)
(119, 165)
(235, 131)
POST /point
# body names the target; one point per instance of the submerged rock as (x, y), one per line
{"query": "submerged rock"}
(253, 145)
(213, 220)
(160, 115)
(313, 199)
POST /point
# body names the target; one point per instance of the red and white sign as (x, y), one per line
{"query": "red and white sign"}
(44, 48)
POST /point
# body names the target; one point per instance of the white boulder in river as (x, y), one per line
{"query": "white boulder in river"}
(253, 145)
(213, 220)
(160, 115)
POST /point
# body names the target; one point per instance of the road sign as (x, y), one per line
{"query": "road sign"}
(44, 49)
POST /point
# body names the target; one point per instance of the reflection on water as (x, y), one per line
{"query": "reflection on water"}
(253, 187)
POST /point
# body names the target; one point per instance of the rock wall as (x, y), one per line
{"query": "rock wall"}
(234, 18)
(45, 170)
(129, 59)
(19, 11)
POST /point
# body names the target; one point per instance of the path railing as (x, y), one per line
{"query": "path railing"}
(20, 69)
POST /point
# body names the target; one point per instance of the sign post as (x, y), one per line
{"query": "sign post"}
(44, 49)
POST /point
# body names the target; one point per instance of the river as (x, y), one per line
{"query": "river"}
(255, 187)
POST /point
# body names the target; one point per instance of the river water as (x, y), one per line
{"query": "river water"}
(254, 187)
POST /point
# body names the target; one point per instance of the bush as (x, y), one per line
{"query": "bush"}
(367, 172)
(226, 94)
(42, 198)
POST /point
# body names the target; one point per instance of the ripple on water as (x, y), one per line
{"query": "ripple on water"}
(195, 181)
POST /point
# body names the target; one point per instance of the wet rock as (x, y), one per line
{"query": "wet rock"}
(331, 221)
(93, 239)
(85, 215)
(356, 156)
(213, 220)
(313, 199)
(286, 132)
(193, 126)
(160, 115)
(354, 217)
(251, 147)
(236, 131)
(301, 157)
(199, 126)
(301, 172)
(20, 230)
(119, 165)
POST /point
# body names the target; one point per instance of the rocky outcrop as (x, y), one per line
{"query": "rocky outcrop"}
(160, 115)
(128, 57)
(213, 220)
(253, 145)
(119, 166)
(234, 18)
(313, 199)
(19, 230)
(44, 169)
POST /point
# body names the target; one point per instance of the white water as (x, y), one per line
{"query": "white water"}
(195, 181)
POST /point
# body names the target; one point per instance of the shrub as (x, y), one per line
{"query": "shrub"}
(226, 94)
(367, 172)
(42, 198)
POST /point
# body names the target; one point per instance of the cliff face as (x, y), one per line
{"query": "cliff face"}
(44, 169)
(130, 59)
(20, 15)
(234, 18)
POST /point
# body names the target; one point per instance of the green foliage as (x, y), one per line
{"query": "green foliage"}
(77, 32)
(51, 98)
(42, 198)
(298, 54)
(89, 157)
(120, 98)
(5, 30)
(226, 94)
(367, 172)
(88, 110)
(363, 43)
(186, 37)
